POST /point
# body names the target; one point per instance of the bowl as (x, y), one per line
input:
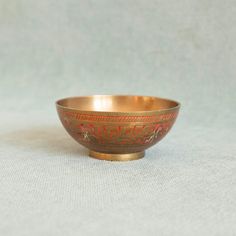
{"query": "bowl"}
(117, 127)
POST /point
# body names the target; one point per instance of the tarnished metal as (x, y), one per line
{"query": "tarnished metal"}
(117, 127)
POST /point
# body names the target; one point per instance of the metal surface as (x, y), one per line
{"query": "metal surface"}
(117, 157)
(117, 127)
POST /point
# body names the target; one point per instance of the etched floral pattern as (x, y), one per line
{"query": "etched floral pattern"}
(118, 133)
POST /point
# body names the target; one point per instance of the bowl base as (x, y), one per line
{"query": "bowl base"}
(116, 157)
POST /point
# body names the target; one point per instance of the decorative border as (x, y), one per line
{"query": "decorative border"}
(119, 118)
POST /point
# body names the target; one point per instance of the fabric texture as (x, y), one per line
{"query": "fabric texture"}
(184, 50)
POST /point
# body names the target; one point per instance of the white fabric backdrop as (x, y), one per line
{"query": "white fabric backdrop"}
(184, 50)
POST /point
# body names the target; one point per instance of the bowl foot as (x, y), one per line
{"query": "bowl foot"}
(116, 157)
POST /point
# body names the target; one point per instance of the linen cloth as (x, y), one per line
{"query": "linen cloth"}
(184, 50)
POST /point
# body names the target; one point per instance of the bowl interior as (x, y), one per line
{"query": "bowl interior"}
(109, 103)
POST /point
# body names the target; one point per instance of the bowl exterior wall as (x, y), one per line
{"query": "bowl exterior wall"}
(117, 133)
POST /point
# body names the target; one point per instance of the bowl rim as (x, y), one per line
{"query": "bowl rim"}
(118, 112)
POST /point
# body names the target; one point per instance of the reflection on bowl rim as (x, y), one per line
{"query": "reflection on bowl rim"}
(178, 105)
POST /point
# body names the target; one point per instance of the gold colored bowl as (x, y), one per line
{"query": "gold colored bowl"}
(117, 128)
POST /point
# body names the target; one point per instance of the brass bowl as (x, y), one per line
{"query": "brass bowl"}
(117, 128)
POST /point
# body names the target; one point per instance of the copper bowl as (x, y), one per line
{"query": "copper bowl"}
(117, 128)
